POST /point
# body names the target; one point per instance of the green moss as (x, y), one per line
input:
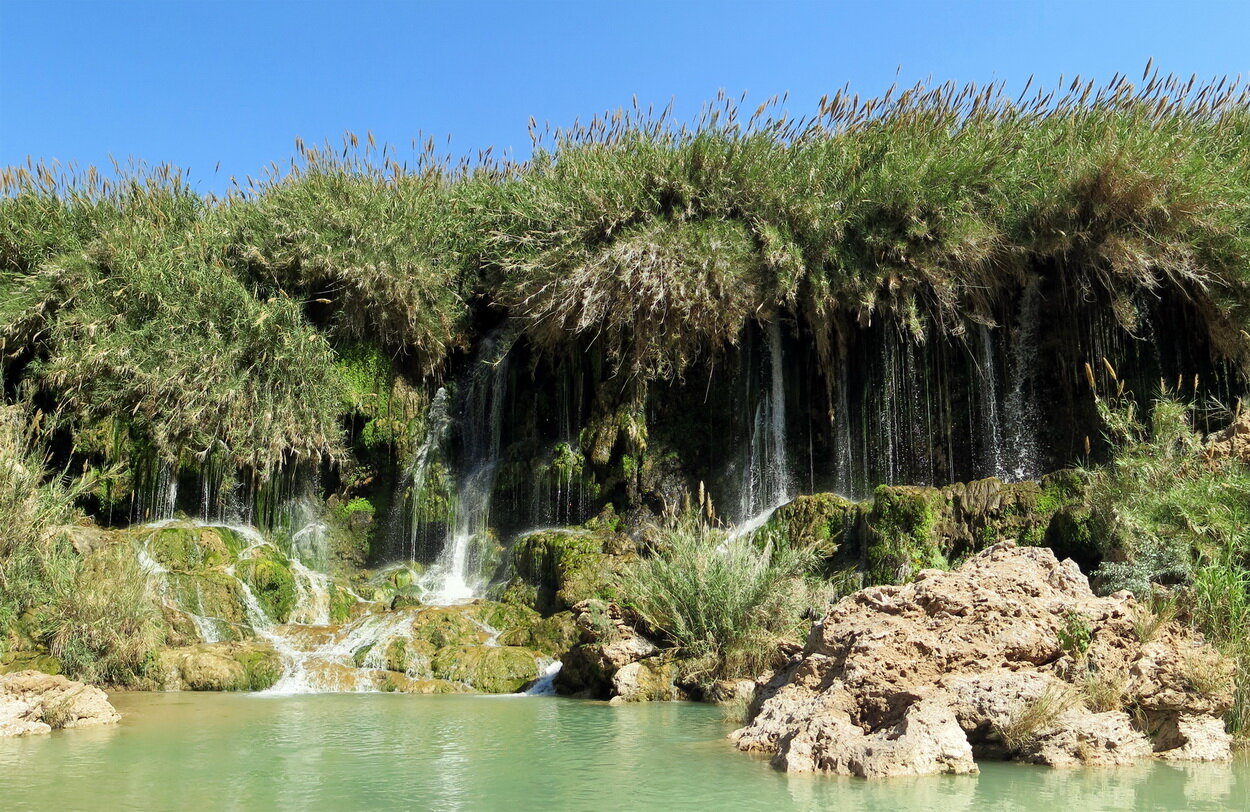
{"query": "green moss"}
(489, 669)
(552, 636)
(566, 567)
(342, 603)
(222, 667)
(262, 668)
(446, 626)
(904, 522)
(821, 522)
(502, 616)
(11, 661)
(213, 595)
(186, 549)
(359, 505)
(268, 573)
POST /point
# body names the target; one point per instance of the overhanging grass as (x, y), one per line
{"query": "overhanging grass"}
(209, 323)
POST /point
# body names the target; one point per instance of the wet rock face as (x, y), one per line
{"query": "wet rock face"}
(32, 703)
(1009, 656)
(220, 667)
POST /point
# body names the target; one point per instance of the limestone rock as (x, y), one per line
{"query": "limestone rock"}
(1080, 739)
(20, 718)
(1185, 737)
(32, 702)
(608, 643)
(653, 679)
(489, 669)
(1009, 640)
(220, 667)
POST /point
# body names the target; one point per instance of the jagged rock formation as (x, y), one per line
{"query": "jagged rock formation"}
(32, 703)
(613, 661)
(1009, 656)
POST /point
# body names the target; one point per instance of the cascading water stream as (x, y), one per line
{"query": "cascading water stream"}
(991, 425)
(1021, 407)
(766, 482)
(455, 577)
(438, 425)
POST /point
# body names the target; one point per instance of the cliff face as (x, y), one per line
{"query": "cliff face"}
(1009, 656)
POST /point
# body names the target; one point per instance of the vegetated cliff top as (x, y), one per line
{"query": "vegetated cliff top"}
(652, 242)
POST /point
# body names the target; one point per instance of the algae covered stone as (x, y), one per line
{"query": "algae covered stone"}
(220, 667)
(489, 669)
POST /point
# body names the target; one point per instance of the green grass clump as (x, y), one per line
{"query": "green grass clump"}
(726, 601)
(1168, 514)
(92, 614)
(189, 326)
(37, 560)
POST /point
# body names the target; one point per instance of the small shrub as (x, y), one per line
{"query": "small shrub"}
(1152, 616)
(105, 629)
(1103, 691)
(1207, 672)
(720, 598)
(1075, 635)
(1034, 718)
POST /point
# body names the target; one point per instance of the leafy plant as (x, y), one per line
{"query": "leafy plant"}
(1033, 718)
(720, 598)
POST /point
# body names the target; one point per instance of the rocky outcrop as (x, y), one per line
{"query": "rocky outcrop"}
(1009, 656)
(220, 667)
(1232, 442)
(567, 566)
(906, 528)
(32, 703)
(612, 660)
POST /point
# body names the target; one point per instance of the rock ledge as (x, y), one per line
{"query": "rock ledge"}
(32, 702)
(1009, 656)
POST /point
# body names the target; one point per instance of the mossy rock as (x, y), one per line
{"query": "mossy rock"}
(903, 538)
(1071, 534)
(180, 548)
(489, 669)
(342, 604)
(220, 667)
(213, 595)
(821, 521)
(395, 682)
(400, 654)
(502, 617)
(518, 591)
(566, 567)
(443, 626)
(12, 661)
(268, 573)
(551, 636)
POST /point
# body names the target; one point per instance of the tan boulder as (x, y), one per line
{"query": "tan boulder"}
(33, 702)
(1014, 650)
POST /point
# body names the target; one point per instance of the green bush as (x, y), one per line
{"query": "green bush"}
(1168, 514)
(37, 561)
(725, 600)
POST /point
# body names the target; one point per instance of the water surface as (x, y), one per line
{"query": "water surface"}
(189, 751)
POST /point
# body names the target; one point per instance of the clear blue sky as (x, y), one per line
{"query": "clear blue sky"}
(195, 83)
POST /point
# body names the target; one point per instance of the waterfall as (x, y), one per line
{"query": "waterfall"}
(157, 497)
(844, 457)
(766, 483)
(991, 425)
(416, 475)
(1021, 408)
(456, 577)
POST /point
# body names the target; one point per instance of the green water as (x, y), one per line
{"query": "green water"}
(223, 751)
